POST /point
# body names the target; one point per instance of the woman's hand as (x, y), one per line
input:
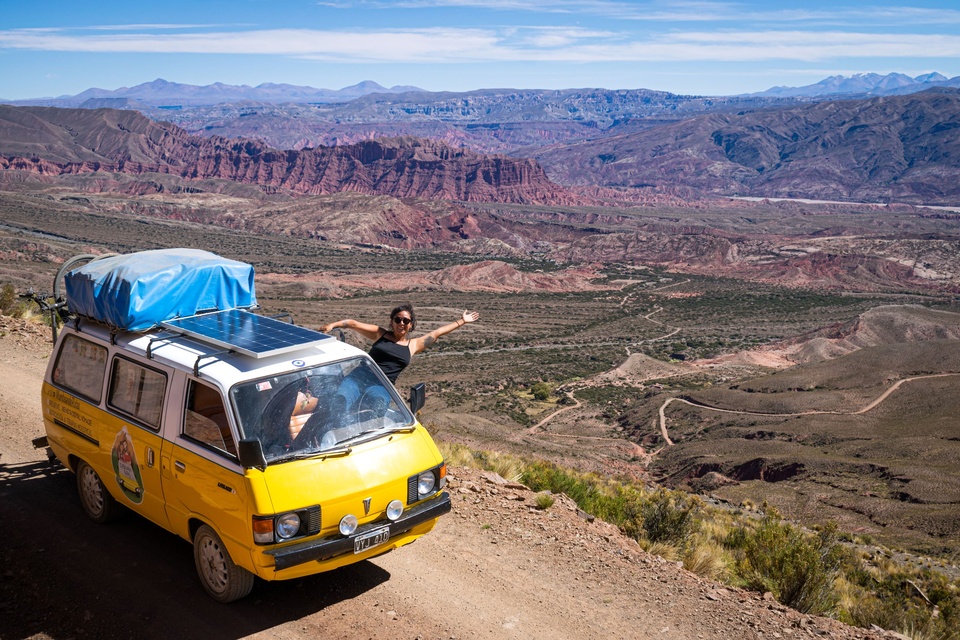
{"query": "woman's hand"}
(470, 316)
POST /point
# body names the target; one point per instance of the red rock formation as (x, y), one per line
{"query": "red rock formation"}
(76, 141)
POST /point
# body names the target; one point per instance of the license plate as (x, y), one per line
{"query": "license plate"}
(371, 539)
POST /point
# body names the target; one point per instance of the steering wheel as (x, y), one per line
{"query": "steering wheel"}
(314, 429)
(370, 406)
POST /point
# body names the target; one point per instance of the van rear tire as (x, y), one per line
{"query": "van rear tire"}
(96, 501)
(223, 580)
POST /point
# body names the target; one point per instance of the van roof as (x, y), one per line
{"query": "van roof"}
(223, 365)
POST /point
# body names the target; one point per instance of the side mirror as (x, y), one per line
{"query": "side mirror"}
(250, 453)
(418, 395)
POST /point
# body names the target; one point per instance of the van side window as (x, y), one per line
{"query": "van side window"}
(137, 391)
(205, 418)
(80, 367)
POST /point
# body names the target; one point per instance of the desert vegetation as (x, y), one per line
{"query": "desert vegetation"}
(820, 571)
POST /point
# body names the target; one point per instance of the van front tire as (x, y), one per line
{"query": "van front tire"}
(97, 502)
(223, 580)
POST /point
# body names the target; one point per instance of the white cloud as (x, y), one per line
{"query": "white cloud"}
(539, 44)
(743, 11)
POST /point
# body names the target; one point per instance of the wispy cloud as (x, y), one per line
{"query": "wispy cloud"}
(346, 46)
(156, 27)
(693, 11)
(518, 44)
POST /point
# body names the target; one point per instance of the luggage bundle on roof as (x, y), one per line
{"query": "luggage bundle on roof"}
(138, 291)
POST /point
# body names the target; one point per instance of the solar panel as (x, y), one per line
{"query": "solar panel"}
(246, 333)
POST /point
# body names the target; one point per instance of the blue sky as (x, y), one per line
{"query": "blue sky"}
(52, 47)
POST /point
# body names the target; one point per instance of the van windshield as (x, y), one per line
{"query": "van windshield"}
(318, 409)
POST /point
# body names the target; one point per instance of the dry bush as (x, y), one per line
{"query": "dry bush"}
(505, 465)
(798, 568)
(708, 560)
(665, 550)
(544, 500)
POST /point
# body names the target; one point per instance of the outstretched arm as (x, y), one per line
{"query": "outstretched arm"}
(368, 331)
(421, 343)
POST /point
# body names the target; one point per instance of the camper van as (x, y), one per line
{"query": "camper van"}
(278, 451)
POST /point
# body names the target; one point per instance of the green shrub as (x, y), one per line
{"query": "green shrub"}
(605, 499)
(798, 568)
(666, 516)
(544, 500)
(917, 602)
(11, 304)
(541, 391)
(8, 299)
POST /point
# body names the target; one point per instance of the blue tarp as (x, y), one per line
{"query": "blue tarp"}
(138, 291)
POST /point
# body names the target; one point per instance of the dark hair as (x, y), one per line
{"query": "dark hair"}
(409, 309)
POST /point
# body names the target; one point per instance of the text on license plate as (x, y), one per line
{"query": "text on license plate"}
(371, 539)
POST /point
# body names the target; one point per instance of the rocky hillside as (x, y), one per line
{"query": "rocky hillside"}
(901, 148)
(50, 141)
(887, 325)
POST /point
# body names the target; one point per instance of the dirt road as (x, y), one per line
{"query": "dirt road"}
(494, 568)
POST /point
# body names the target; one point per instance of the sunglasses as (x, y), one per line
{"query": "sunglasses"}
(402, 320)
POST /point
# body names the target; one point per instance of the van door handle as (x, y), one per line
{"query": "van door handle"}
(179, 466)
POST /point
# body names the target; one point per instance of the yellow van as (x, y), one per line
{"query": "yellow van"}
(278, 451)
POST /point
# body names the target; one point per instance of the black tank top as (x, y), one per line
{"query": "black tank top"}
(392, 357)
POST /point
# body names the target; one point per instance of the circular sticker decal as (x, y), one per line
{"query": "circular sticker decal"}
(124, 459)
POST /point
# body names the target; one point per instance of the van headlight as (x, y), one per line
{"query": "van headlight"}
(426, 484)
(288, 525)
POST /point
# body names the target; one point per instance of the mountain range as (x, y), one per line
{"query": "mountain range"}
(865, 84)
(161, 93)
(901, 148)
(885, 149)
(515, 122)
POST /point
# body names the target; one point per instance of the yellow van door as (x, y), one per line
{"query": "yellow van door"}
(135, 466)
(201, 475)
(131, 436)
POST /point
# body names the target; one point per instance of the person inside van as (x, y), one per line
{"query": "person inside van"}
(393, 348)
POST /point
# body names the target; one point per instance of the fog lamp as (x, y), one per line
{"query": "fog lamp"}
(348, 524)
(394, 510)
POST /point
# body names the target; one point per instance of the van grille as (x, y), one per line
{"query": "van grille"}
(412, 494)
(312, 520)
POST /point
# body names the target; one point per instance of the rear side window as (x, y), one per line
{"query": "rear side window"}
(205, 418)
(137, 391)
(80, 367)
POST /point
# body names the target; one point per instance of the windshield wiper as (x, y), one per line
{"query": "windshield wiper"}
(383, 431)
(410, 428)
(311, 453)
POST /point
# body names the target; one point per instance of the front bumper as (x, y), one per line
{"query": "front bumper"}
(313, 550)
